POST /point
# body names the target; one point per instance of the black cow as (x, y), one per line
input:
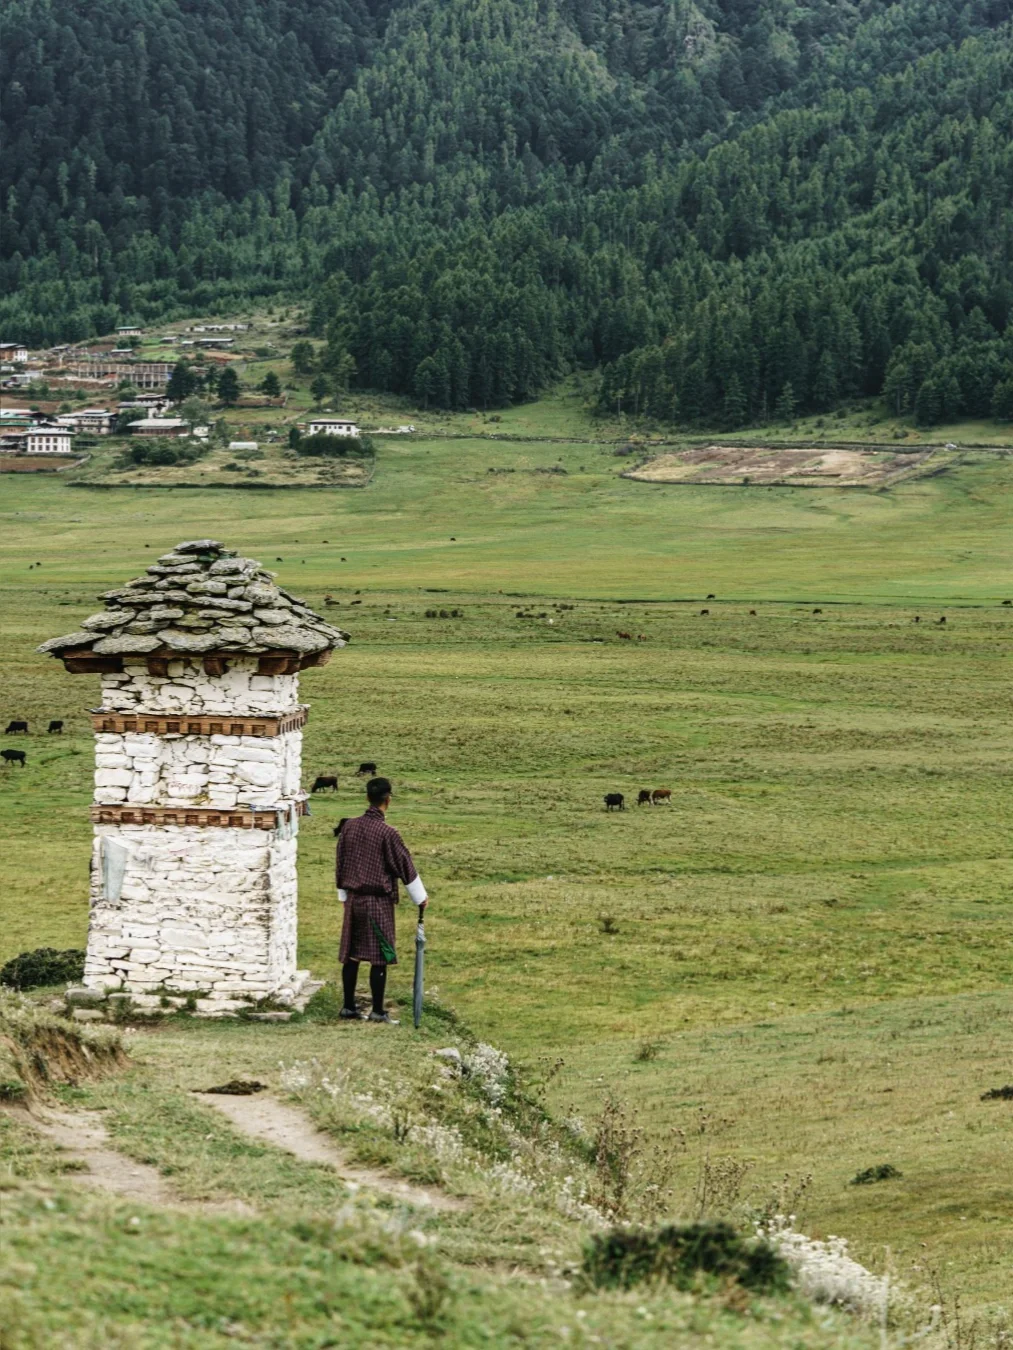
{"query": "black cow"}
(338, 827)
(55, 727)
(712, 596)
(644, 796)
(703, 612)
(614, 799)
(368, 767)
(14, 757)
(14, 727)
(322, 781)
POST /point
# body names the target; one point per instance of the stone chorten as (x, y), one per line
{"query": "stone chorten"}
(197, 779)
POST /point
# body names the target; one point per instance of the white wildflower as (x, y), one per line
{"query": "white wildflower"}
(491, 1068)
(824, 1272)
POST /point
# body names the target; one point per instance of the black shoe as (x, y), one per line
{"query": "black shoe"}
(351, 1015)
(383, 1017)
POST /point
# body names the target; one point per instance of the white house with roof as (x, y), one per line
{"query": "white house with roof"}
(159, 426)
(98, 421)
(129, 330)
(13, 351)
(332, 426)
(48, 440)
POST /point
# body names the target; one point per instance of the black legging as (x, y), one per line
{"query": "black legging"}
(377, 984)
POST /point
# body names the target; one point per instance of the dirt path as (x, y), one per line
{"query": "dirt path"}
(82, 1137)
(273, 1122)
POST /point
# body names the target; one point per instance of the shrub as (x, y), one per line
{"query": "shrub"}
(44, 965)
(159, 453)
(333, 447)
(680, 1254)
(881, 1172)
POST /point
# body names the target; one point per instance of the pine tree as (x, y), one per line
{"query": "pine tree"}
(228, 386)
(270, 385)
(784, 408)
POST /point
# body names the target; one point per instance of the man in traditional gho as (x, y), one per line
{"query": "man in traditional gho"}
(371, 859)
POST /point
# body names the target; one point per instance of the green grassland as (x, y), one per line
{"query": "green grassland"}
(813, 940)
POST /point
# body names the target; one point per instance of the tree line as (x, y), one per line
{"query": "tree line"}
(736, 211)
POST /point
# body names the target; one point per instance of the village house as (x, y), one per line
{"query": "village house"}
(146, 403)
(332, 426)
(17, 419)
(129, 330)
(158, 426)
(48, 440)
(217, 343)
(141, 374)
(13, 351)
(98, 421)
(243, 445)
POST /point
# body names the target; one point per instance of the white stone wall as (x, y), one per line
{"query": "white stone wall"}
(210, 911)
(187, 689)
(196, 909)
(175, 770)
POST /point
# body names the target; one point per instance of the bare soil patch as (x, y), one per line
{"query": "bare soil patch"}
(273, 1122)
(796, 466)
(82, 1137)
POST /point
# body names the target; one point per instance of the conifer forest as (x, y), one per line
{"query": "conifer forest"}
(733, 210)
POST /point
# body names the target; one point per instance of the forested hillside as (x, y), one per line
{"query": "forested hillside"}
(737, 208)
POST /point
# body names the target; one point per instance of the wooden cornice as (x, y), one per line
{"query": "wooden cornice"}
(83, 661)
(209, 724)
(241, 818)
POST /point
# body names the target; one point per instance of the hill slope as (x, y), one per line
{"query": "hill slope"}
(735, 207)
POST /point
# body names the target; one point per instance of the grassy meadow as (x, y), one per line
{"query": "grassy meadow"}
(808, 950)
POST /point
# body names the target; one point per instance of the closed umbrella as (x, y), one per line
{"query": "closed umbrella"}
(420, 961)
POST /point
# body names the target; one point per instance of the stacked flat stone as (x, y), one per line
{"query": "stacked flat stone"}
(201, 597)
(198, 791)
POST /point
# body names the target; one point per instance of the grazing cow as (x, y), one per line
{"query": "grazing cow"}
(325, 780)
(943, 619)
(643, 796)
(626, 637)
(56, 726)
(613, 800)
(338, 827)
(817, 611)
(14, 727)
(13, 757)
(712, 596)
(753, 613)
(661, 795)
(1008, 602)
(703, 612)
(368, 767)
(918, 618)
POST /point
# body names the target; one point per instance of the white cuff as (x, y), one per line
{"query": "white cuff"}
(417, 891)
(342, 895)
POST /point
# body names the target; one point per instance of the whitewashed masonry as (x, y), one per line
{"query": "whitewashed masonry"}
(198, 790)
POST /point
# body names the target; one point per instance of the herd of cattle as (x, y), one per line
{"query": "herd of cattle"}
(323, 781)
(18, 727)
(615, 801)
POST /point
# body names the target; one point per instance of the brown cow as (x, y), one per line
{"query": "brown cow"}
(661, 795)
(626, 637)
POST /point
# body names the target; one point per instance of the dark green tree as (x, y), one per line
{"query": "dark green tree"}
(228, 386)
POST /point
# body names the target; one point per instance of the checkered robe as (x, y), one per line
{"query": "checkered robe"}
(371, 858)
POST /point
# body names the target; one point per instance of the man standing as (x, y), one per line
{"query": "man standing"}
(371, 859)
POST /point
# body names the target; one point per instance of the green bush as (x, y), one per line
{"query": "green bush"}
(881, 1172)
(163, 452)
(44, 965)
(680, 1253)
(333, 447)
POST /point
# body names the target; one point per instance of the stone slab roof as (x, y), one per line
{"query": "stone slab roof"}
(201, 597)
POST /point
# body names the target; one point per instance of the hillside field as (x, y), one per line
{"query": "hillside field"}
(811, 945)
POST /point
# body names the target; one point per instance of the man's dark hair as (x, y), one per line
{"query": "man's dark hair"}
(378, 790)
